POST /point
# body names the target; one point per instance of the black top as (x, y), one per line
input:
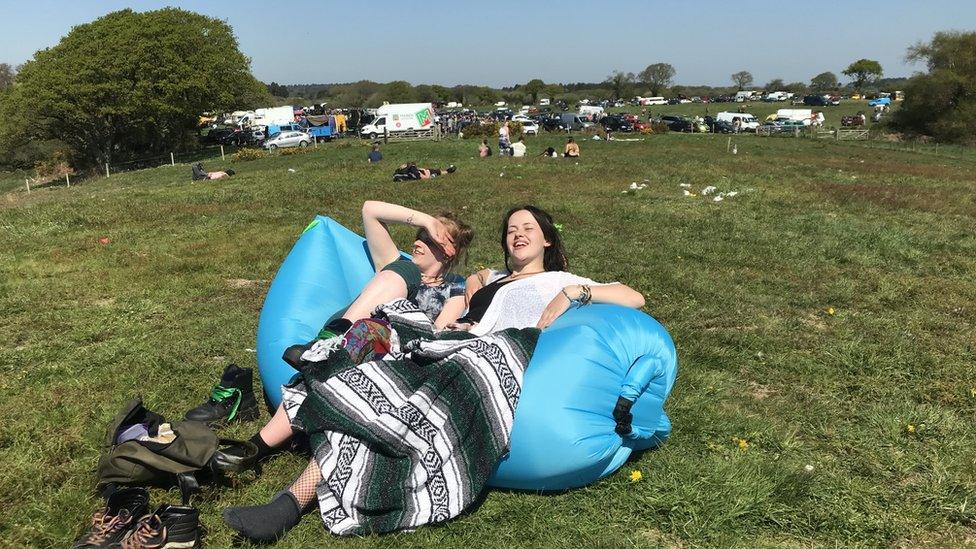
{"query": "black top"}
(481, 300)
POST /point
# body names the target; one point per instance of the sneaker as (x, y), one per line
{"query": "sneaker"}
(452, 168)
(230, 400)
(116, 519)
(149, 533)
(170, 527)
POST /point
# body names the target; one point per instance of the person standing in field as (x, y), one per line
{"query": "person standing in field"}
(504, 144)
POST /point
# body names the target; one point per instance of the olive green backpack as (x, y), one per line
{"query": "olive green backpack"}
(194, 449)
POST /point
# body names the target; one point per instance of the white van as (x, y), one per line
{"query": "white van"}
(543, 102)
(748, 121)
(591, 111)
(800, 115)
(399, 117)
(644, 101)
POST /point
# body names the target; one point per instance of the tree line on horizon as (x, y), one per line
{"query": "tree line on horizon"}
(132, 84)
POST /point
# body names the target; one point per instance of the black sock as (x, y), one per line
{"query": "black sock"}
(266, 522)
(263, 449)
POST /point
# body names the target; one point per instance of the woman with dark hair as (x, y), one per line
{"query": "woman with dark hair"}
(534, 289)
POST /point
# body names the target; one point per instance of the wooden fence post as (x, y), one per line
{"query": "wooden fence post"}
(27, 182)
(222, 152)
(68, 179)
(728, 144)
(172, 159)
(107, 174)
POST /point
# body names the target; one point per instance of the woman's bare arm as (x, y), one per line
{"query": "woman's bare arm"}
(376, 216)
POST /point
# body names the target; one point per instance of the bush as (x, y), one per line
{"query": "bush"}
(246, 155)
(295, 150)
(53, 167)
(489, 131)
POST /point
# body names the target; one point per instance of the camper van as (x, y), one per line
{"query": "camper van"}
(799, 115)
(274, 115)
(748, 121)
(399, 117)
(591, 111)
(543, 102)
(743, 96)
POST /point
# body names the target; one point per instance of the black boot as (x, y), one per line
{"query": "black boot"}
(230, 400)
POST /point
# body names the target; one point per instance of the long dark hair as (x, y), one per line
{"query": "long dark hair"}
(554, 258)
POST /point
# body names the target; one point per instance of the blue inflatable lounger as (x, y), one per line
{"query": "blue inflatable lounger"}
(563, 433)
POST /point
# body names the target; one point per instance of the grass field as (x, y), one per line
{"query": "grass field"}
(825, 316)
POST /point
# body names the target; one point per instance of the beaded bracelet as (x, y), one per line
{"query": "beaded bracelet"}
(586, 295)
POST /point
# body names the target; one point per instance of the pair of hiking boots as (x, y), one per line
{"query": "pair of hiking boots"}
(126, 523)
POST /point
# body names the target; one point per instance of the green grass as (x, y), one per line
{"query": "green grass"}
(883, 237)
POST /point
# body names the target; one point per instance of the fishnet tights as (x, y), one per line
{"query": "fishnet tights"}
(304, 486)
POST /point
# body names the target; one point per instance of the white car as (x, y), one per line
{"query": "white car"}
(288, 139)
(530, 127)
(523, 118)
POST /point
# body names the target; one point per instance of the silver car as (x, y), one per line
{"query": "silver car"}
(288, 139)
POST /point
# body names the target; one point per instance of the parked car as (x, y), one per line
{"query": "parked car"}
(719, 126)
(530, 127)
(521, 118)
(288, 139)
(677, 123)
(552, 123)
(616, 123)
(817, 101)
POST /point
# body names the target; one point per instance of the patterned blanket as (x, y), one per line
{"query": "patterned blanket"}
(411, 439)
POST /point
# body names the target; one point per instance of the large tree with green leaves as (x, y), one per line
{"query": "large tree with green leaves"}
(534, 87)
(742, 79)
(824, 81)
(863, 71)
(942, 102)
(619, 81)
(7, 74)
(129, 84)
(657, 77)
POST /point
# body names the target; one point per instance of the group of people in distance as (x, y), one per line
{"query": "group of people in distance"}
(531, 290)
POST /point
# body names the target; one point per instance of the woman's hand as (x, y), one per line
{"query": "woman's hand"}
(439, 234)
(559, 305)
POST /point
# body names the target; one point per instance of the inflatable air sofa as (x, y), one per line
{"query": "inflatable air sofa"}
(563, 433)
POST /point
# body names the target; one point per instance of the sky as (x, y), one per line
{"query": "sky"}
(505, 42)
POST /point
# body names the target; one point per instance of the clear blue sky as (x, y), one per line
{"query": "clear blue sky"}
(505, 42)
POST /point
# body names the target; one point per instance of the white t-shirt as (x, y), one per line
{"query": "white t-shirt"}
(518, 149)
(519, 304)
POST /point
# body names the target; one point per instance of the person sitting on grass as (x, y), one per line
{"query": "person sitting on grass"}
(410, 171)
(572, 150)
(484, 151)
(549, 153)
(532, 291)
(518, 148)
(200, 174)
(374, 155)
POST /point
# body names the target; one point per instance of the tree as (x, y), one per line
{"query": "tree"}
(742, 79)
(130, 83)
(7, 75)
(657, 77)
(942, 102)
(443, 94)
(399, 91)
(775, 84)
(534, 87)
(863, 71)
(795, 87)
(619, 81)
(824, 81)
(277, 90)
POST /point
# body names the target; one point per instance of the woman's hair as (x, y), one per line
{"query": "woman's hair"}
(461, 233)
(554, 258)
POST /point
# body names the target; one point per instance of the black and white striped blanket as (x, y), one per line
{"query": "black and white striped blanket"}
(414, 438)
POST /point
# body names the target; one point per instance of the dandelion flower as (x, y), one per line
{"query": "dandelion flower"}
(830, 311)
(910, 428)
(743, 444)
(635, 476)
